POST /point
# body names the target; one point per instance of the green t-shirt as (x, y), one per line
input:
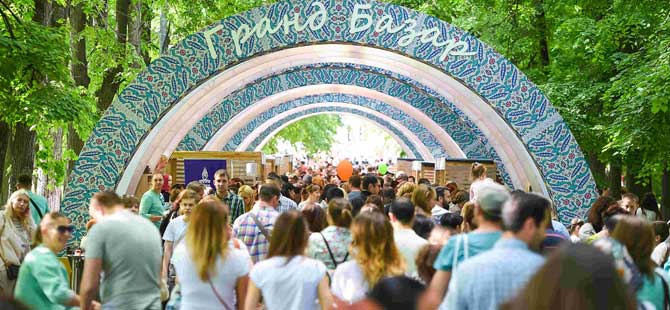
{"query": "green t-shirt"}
(476, 243)
(151, 205)
(42, 282)
(130, 249)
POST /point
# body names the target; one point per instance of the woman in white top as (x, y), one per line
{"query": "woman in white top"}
(16, 231)
(176, 231)
(211, 269)
(313, 196)
(287, 279)
(376, 257)
(479, 178)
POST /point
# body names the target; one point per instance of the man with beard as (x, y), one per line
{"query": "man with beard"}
(506, 268)
(441, 204)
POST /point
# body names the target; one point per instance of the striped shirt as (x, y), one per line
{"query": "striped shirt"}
(491, 278)
(235, 204)
(247, 231)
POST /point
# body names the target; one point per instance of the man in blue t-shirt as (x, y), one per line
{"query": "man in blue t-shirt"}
(39, 206)
(488, 214)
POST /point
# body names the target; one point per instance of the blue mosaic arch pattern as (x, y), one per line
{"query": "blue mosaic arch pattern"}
(277, 125)
(143, 103)
(466, 135)
(426, 137)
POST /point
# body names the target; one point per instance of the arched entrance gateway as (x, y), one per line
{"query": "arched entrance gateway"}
(437, 89)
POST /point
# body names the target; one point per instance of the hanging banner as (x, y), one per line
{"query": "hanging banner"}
(202, 170)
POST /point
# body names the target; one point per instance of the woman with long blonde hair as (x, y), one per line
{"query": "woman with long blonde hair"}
(16, 231)
(212, 269)
(248, 196)
(375, 257)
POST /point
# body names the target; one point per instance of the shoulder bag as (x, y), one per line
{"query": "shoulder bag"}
(330, 252)
(462, 238)
(12, 270)
(260, 226)
(216, 293)
(39, 212)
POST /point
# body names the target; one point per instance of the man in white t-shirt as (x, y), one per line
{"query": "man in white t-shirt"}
(408, 242)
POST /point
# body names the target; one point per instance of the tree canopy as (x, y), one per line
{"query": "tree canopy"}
(604, 64)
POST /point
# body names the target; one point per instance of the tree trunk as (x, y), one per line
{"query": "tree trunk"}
(135, 25)
(22, 152)
(42, 12)
(665, 191)
(110, 81)
(78, 70)
(614, 178)
(4, 143)
(24, 140)
(147, 16)
(54, 196)
(79, 65)
(597, 169)
(164, 29)
(541, 26)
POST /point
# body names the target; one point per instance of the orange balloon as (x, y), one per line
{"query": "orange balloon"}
(345, 170)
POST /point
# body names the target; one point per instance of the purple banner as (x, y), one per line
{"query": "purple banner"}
(202, 170)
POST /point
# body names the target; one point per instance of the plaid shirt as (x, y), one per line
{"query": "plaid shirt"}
(246, 230)
(235, 204)
(286, 204)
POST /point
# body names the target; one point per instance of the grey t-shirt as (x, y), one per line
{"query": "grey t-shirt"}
(130, 248)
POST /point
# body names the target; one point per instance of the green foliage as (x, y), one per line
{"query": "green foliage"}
(36, 88)
(605, 65)
(316, 133)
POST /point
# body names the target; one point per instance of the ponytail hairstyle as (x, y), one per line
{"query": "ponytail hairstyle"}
(207, 236)
(339, 212)
(477, 171)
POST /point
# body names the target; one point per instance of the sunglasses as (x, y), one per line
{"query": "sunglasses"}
(64, 229)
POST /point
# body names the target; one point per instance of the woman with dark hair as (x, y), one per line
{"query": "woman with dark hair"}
(324, 194)
(425, 260)
(575, 277)
(594, 221)
(649, 208)
(315, 217)
(661, 250)
(288, 279)
(448, 225)
(637, 235)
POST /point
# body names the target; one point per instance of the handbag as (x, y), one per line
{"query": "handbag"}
(12, 270)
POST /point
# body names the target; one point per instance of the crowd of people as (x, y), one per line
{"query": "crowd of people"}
(308, 240)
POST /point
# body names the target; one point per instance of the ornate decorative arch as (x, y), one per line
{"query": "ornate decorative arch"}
(149, 116)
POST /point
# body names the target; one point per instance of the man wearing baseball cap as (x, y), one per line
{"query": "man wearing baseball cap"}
(488, 214)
